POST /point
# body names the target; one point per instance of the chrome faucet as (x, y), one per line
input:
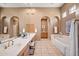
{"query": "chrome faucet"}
(12, 42)
(8, 44)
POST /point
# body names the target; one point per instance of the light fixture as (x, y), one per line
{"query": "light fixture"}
(31, 10)
(23, 30)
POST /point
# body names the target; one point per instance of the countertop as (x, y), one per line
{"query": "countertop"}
(19, 44)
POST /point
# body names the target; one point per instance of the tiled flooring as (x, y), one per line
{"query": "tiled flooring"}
(46, 48)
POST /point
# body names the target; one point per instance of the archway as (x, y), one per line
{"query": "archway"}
(14, 26)
(45, 27)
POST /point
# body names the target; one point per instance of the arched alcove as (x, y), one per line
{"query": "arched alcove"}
(14, 25)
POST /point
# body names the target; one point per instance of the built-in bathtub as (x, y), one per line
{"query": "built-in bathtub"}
(62, 43)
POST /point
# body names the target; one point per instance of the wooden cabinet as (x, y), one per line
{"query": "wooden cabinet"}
(24, 51)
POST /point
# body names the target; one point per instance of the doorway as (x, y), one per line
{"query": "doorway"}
(44, 27)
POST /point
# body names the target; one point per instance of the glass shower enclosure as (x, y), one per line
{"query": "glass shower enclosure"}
(74, 38)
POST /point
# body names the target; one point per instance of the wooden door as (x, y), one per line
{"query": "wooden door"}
(44, 28)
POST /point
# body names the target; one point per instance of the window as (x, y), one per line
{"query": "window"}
(64, 14)
(72, 9)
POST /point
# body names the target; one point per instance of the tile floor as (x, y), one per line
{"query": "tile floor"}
(46, 48)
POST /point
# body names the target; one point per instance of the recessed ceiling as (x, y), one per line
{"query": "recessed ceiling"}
(31, 4)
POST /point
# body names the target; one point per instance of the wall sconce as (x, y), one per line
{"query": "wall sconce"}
(5, 29)
(23, 30)
(55, 29)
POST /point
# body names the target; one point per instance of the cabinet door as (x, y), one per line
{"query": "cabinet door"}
(24, 51)
(21, 53)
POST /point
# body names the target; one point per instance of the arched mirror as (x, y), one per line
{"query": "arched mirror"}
(4, 25)
(55, 24)
(14, 25)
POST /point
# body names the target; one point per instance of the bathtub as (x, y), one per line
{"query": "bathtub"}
(62, 43)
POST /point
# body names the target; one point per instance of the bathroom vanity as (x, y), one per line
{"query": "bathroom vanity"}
(20, 46)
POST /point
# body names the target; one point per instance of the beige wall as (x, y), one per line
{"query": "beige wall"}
(25, 18)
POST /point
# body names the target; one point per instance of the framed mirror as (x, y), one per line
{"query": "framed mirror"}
(4, 25)
(14, 26)
(55, 24)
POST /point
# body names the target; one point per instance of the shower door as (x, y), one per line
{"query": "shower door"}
(77, 37)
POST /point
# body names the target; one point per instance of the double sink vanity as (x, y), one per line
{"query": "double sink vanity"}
(17, 46)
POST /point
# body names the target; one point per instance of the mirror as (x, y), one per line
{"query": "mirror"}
(68, 26)
(4, 25)
(14, 25)
(55, 24)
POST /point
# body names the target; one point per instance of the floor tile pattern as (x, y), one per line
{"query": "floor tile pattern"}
(46, 48)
